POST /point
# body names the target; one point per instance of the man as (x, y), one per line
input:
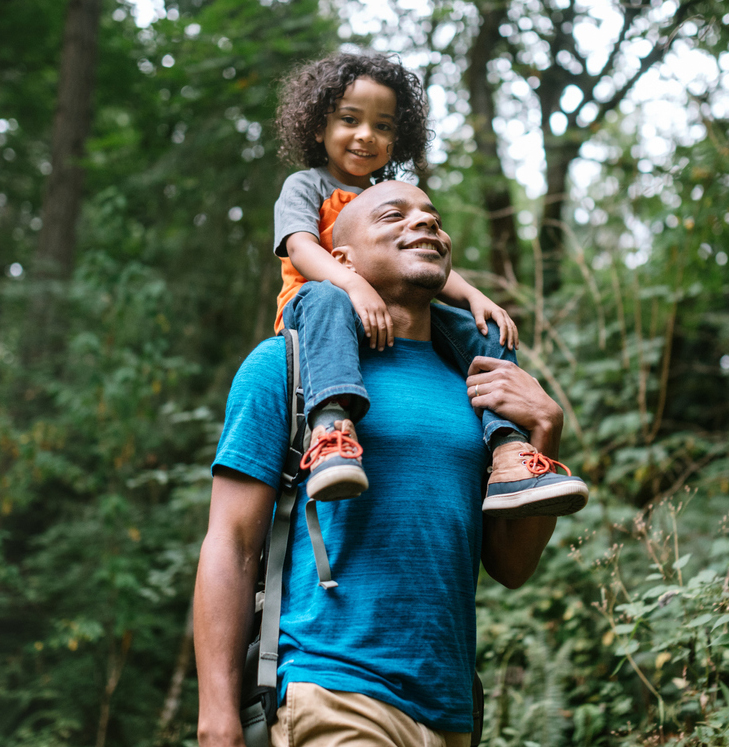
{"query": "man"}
(385, 658)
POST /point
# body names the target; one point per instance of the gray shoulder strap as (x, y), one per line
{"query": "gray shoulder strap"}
(270, 621)
(268, 664)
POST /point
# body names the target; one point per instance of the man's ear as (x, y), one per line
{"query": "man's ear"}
(342, 255)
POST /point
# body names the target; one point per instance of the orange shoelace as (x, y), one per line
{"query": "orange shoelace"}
(332, 442)
(538, 464)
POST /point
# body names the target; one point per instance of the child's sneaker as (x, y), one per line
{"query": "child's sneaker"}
(335, 460)
(525, 483)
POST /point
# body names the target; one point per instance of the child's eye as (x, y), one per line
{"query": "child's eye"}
(347, 119)
(384, 127)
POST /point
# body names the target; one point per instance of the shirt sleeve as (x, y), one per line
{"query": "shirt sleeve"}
(255, 435)
(297, 209)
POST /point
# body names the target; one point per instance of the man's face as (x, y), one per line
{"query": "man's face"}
(399, 243)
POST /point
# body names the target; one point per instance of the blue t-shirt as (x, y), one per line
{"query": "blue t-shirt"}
(401, 626)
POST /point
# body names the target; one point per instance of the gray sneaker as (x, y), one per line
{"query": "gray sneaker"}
(524, 482)
(335, 460)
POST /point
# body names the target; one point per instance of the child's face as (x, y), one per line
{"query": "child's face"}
(360, 132)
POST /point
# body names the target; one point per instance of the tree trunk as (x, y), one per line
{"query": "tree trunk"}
(551, 236)
(117, 659)
(174, 694)
(54, 259)
(62, 199)
(496, 194)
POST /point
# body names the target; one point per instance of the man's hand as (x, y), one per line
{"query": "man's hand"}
(373, 312)
(483, 309)
(506, 389)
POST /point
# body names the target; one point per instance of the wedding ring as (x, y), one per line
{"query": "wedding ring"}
(476, 395)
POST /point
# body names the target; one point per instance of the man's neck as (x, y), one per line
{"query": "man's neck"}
(411, 324)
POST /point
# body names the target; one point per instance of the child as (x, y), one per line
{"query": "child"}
(353, 119)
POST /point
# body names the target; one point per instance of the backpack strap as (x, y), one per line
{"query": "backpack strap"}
(268, 664)
(290, 478)
(323, 570)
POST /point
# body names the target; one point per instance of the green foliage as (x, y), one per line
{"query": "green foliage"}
(619, 640)
(614, 643)
(106, 445)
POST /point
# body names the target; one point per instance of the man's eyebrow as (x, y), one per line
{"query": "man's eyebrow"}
(398, 202)
(351, 108)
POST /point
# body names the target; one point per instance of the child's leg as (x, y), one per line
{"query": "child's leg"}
(456, 335)
(330, 332)
(523, 482)
(334, 394)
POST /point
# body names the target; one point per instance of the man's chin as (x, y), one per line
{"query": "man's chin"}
(429, 281)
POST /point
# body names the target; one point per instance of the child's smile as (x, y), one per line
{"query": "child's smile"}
(360, 132)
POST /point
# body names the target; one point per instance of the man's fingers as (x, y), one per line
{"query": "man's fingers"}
(481, 363)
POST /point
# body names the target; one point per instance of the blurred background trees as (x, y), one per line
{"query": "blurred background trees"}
(580, 159)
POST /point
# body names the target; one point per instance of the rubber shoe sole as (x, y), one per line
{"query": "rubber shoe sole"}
(335, 482)
(558, 499)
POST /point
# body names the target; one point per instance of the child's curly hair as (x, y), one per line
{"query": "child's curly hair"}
(310, 92)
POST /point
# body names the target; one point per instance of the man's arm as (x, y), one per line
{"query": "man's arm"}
(512, 547)
(240, 514)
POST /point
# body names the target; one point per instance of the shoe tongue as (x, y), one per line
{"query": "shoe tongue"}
(328, 415)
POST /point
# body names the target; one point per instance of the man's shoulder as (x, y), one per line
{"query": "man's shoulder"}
(256, 430)
(269, 354)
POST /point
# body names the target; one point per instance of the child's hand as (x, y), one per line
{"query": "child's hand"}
(483, 309)
(373, 312)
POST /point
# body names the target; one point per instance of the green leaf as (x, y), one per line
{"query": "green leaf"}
(700, 620)
(725, 692)
(721, 620)
(625, 628)
(629, 648)
(681, 562)
(660, 590)
(720, 547)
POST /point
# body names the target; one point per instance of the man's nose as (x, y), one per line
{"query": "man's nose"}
(421, 218)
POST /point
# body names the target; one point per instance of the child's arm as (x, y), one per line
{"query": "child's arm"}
(459, 293)
(315, 263)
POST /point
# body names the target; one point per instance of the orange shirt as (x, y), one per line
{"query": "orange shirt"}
(292, 280)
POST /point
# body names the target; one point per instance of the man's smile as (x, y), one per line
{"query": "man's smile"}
(428, 245)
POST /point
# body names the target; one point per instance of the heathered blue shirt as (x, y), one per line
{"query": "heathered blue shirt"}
(401, 626)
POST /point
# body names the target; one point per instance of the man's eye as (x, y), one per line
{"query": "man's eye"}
(393, 214)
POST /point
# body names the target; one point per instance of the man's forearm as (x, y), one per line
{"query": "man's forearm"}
(512, 547)
(223, 612)
(240, 514)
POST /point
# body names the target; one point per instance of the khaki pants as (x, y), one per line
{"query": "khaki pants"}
(315, 717)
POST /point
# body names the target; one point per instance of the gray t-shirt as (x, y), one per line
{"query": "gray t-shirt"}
(297, 207)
